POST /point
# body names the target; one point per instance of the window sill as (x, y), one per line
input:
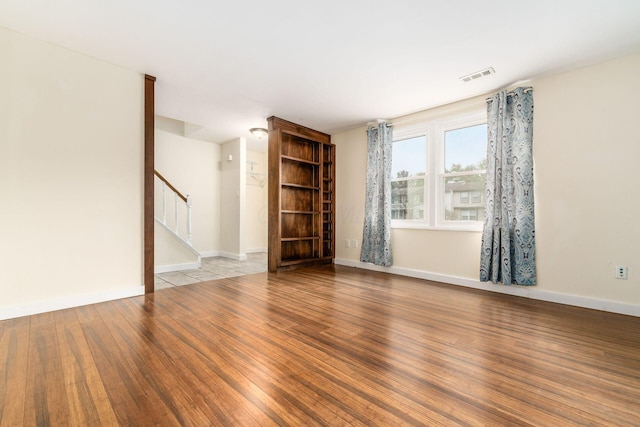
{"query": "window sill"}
(462, 227)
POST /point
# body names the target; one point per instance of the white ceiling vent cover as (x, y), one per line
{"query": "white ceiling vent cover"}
(478, 74)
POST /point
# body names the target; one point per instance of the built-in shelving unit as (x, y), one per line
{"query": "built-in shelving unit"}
(328, 196)
(301, 196)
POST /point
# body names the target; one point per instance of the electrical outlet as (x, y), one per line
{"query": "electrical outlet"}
(622, 272)
(347, 243)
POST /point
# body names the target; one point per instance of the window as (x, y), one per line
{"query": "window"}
(438, 173)
(407, 178)
(465, 164)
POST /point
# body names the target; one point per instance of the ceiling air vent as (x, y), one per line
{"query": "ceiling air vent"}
(478, 74)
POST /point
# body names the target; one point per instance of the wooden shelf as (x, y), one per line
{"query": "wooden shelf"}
(301, 212)
(308, 187)
(297, 159)
(296, 239)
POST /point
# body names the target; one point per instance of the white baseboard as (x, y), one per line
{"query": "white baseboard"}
(177, 267)
(209, 254)
(237, 257)
(522, 291)
(67, 302)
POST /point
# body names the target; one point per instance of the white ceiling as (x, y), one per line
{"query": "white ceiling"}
(330, 65)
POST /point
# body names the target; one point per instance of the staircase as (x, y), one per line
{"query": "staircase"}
(175, 217)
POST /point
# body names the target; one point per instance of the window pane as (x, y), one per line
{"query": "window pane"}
(464, 197)
(409, 157)
(407, 195)
(407, 199)
(465, 149)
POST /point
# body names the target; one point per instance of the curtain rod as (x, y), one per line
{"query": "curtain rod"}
(526, 90)
(379, 122)
(386, 123)
(389, 125)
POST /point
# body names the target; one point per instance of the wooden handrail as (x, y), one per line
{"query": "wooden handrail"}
(163, 179)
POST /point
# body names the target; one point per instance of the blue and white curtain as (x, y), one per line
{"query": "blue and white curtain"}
(508, 238)
(376, 237)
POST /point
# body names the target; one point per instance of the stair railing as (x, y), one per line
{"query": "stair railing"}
(177, 196)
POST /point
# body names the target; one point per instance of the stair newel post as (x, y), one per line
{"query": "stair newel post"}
(189, 219)
(164, 203)
(175, 197)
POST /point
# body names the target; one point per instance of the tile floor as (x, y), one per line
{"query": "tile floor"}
(211, 269)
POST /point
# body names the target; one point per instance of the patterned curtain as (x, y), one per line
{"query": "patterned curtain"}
(376, 237)
(508, 238)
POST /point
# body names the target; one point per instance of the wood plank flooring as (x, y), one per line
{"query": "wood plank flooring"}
(324, 346)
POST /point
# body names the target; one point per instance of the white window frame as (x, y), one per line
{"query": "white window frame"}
(434, 131)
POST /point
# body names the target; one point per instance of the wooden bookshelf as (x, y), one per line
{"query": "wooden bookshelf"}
(301, 196)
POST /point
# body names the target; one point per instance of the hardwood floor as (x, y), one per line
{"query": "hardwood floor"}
(321, 347)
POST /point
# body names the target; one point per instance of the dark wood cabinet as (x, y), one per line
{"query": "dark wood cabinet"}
(301, 196)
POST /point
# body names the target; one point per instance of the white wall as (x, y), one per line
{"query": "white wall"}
(192, 167)
(171, 254)
(586, 153)
(232, 199)
(255, 224)
(71, 174)
(587, 197)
